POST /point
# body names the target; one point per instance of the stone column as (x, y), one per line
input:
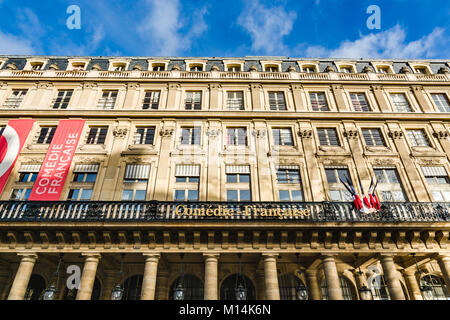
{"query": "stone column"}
(412, 284)
(162, 279)
(261, 285)
(211, 278)
(20, 284)
(4, 277)
(150, 272)
(444, 265)
(332, 278)
(270, 272)
(390, 275)
(313, 285)
(88, 276)
(109, 282)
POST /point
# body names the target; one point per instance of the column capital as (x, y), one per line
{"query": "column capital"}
(152, 256)
(443, 257)
(31, 256)
(207, 256)
(311, 273)
(269, 255)
(409, 271)
(92, 255)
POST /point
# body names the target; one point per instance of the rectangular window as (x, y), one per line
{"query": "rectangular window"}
(438, 182)
(328, 137)
(338, 192)
(97, 135)
(237, 136)
(62, 99)
(46, 135)
(277, 101)
(15, 99)
(441, 101)
(238, 184)
(359, 102)
(84, 177)
(318, 101)
(135, 182)
(151, 100)
(283, 137)
(187, 178)
(235, 100)
(418, 138)
(190, 135)
(389, 185)
(373, 137)
(289, 183)
(108, 99)
(20, 194)
(80, 194)
(193, 100)
(144, 135)
(400, 102)
(196, 68)
(28, 172)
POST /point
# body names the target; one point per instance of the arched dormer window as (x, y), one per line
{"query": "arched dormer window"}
(234, 68)
(309, 68)
(346, 69)
(119, 66)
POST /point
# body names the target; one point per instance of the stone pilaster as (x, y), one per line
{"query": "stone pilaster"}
(297, 93)
(390, 275)
(418, 92)
(213, 135)
(130, 101)
(20, 284)
(162, 175)
(150, 272)
(214, 89)
(88, 276)
(173, 96)
(256, 90)
(211, 279)
(110, 279)
(379, 96)
(162, 284)
(338, 93)
(263, 165)
(271, 276)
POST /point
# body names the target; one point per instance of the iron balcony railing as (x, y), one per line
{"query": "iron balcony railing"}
(133, 211)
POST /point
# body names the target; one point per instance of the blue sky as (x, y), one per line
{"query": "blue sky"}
(227, 28)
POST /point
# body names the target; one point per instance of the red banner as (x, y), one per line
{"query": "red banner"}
(11, 143)
(52, 176)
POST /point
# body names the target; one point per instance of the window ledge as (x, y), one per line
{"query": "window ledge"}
(331, 149)
(378, 149)
(422, 149)
(93, 147)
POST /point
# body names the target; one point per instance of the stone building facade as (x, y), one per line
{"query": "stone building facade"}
(225, 171)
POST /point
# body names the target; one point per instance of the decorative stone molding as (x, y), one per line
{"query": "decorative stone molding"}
(213, 133)
(405, 70)
(89, 85)
(133, 85)
(330, 69)
(336, 87)
(256, 86)
(215, 86)
(378, 149)
(376, 88)
(176, 67)
(44, 85)
(351, 134)
(383, 162)
(443, 70)
(367, 69)
(173, 86)
(259, 133)
(429, 162)
(440, 134)
(397, 134)
(120, 132)
(297, 87)
(292, 69)
(3, 85)
(253, 68)
(84, 160)
(137, 160)
(215, 68)
(166, 132)
(305, 134)
(416, 88)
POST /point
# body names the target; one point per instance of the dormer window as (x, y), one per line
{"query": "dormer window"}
(346, 69)
(234, 68)
(309, 69)
(36, 66)
(272, 69)
(383, 69)
(158, 67)
(421, 70)
(78, 66)
(196, 68)
(119, 66)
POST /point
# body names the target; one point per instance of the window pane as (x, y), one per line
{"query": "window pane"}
(437, 196)
(140, 195)
(331, 176)
(244, 178)
(27, 194)
(294, 176)
(193, 195)
(386, 196)
(297, 195)
(392, 176)
(245, 195)
(335, 195)
(90, 177)
(127, 195)
(232, 195)
(73, 194)
(180, 179)
(284, 195)
(231, 178)
(193, 179)
(347, 196)
(398, 196)
(86, 194)
(179, 195)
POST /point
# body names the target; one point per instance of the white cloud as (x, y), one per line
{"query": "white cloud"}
(163, 25)
(10, 44)
(388, 44)
(267, 26)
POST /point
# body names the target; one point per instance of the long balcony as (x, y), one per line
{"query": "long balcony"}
(159, 211)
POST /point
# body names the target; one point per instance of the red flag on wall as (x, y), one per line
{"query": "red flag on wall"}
(11, 143)
(52, 176)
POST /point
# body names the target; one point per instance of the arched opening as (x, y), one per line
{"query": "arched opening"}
(36, 287)
(71, 294)
(439, 290)
(288, 284)
(132, 287)
(346, 288)
(379, 288)
(193, 287)
(227, 290)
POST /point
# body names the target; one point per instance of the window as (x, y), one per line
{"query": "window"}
(283, 137)
(237, 136)
(135, 182)
(346, 69)
(238, 183)
(144, 135)
(193, 100)
(318, 101)
(439, 290)
(277, 101)
(62, 100)
(15, 99)
(84, 177)
(196, 68)
(271, 69)
(78, 66)
(158, 67)
(309, 69)
(80, 194)
(389, 185)
(421, 70)
(373, 137)
(328, 137)
(187, 178)
(359, 102)
(28, 176)
(383, 69)
(20, 194)
(46, 135)
(346, 289)
(418, 138)
(400, 102)
(335, 186)
(235, 100)
(379, 288)
(36, 66)
(438, 182)
(288, 179)
(441, 101)
(108, 99)
(119, 66)
(151, 100)
(234, 68)
(97, 135)
(190, 135)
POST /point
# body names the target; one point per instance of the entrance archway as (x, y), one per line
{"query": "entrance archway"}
(192, 284)
(227, 289)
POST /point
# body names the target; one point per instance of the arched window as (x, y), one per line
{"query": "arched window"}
(346, 288)
(439, 290)
(288, 284)
(227, 289)
(193, 286)
(35, 289)
(71, 294)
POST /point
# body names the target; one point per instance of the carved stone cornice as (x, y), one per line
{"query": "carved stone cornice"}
(213, 133)
(259, 133)
(335, 87)
(396, 134)
(120, 132)
(256, 86)
(297, 87)
(376, 88)
(382, 162)
(166, 132)
(351, 134)
(428, 162)
(441, 134)
(305, 134)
